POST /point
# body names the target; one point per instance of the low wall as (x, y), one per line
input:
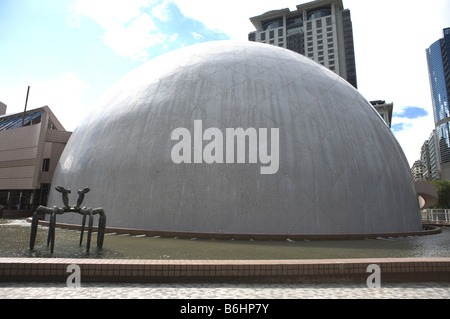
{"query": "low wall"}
(262, 271)
(14, 214)
(428, 229)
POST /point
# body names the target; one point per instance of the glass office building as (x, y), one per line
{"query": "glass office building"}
(438, 57)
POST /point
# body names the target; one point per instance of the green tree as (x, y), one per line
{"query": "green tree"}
(443, 190)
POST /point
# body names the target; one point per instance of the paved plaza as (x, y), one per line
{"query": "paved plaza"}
(223, 291)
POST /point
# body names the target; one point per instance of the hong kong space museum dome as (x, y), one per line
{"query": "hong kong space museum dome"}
(238, 138)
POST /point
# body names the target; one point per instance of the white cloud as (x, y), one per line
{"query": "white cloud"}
(128, 29)
(230, 17)
(196, 35)
(173, 37)
(110, 12)
(161, 11)
(133, 40)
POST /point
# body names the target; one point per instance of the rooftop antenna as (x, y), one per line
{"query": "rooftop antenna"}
(26, 102)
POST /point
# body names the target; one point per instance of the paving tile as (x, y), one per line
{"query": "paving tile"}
(223, 291)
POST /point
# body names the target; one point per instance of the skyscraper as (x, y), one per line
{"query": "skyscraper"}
(438, 57)
(321, 30)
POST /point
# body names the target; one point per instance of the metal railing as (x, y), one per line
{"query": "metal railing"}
(439, 216)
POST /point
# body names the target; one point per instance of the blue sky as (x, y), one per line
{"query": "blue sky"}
(71, 51)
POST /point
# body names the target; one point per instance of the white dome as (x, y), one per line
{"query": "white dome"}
(339, 169)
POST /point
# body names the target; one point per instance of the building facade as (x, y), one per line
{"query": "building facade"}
(435, 162)
(426, 162)
(30, 146)
(321, 30)
(417, 171)
(438, 58)
(385, 110)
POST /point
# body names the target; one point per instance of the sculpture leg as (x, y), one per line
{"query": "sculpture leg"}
(34, 225)
(101, 227)
(91, 222)
(52, 232)
(82, 229)
(52, 238)
(50, 229)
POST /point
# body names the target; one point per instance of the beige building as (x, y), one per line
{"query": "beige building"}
(30, 146)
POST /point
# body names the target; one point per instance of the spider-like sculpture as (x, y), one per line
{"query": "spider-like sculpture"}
(42, 211)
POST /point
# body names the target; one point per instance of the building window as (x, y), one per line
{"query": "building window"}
(273, 24)
(308, 26)
(271, 34)
(46, 165)
(319, 12)
(263, 36)
(280, 32)
(294, 30)
(329, 21)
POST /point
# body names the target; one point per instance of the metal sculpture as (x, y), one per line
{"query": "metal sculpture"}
(86, 212)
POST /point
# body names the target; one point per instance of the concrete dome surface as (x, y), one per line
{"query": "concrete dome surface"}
(309, 154)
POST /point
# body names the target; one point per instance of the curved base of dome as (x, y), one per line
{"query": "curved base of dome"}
(427, 229)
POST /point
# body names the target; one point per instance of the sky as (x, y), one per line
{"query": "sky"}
(71, 51)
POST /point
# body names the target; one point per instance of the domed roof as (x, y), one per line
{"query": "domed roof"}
(158, 151)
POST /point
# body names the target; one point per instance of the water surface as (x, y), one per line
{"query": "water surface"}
(15, 236)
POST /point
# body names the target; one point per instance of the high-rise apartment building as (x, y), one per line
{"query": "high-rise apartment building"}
(426, 162)
(438, 57)
(417, 171)
(435, 163)
(321, 30)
